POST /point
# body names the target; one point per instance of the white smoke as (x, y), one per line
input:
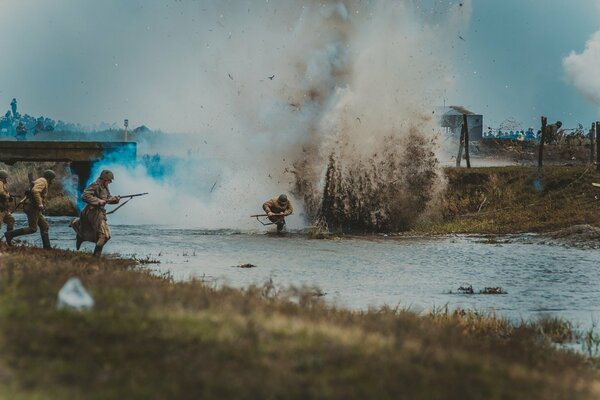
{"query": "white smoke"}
(583, 69)
(257, 85)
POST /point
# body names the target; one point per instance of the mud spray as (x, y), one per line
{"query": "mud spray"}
(330, 102)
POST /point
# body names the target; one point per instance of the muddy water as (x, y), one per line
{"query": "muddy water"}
(369, 272)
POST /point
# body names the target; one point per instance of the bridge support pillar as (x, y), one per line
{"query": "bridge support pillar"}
(82, 169)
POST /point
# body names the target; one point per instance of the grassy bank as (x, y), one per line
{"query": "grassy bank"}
(517, 199)
(58, 201)
(151, 338)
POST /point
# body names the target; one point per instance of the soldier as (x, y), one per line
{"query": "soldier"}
(34, 205)
(21, 131)
(551, 134)
(91, 226)
(277, 209)
(5, 215)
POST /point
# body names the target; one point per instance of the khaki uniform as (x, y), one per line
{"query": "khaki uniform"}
(37, 197)
(91, 225)
(551, 133)
(5, 215)
(273, 205)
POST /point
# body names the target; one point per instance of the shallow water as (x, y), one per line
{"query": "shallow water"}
(369, 272)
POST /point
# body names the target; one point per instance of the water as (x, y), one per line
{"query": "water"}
(360, 273)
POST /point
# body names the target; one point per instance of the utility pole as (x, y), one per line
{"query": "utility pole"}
(466, 138)
(597, 147)
(126, 123)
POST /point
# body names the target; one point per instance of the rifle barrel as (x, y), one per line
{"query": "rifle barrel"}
(266, 215)
(133, 195)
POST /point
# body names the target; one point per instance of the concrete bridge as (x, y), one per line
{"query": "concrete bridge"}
(80, 155)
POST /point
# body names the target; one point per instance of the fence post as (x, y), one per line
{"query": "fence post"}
(460, 145)
(542, 139)
(466, 139)
(592, 136)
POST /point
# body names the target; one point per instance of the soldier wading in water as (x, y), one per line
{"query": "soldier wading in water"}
(91, 226)
(34, 205)
(277, 209)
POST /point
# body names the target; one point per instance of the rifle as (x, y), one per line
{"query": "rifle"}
(132, 195)
(266, 215)
(128, 197)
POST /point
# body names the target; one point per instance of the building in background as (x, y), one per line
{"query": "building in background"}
(451, 121)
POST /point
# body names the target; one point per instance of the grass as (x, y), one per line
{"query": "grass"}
(58, 201)
(149, 337)
(501, 200)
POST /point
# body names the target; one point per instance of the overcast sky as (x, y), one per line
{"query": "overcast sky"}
(162, 62)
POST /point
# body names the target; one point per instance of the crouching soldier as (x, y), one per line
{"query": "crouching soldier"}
(5, 215)
(91, 226)
(277, 209)
(34, 204)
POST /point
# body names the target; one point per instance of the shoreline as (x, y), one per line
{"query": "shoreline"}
(217, 343)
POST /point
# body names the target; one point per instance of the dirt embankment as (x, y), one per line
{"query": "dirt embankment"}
(573, 152)
(500, 200)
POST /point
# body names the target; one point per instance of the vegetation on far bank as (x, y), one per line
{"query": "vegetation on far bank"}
(149, 337)
(501, 200)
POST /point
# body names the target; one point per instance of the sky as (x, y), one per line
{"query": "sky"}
(511, 60)
(162, 63)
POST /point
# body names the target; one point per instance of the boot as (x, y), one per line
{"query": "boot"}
(10, 235)
(45, 240)
(98, 250)
(78, 242)
(280, 226)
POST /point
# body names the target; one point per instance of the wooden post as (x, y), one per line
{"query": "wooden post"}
(542, 139)
(592, 136)
(460, 145)
(466, 139)
(597, 147)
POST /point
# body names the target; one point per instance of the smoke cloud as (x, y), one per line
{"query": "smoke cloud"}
(582, 69)
(265, 93)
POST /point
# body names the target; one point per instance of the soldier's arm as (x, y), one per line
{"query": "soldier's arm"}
(4, 195)
(267, 206)
(90, 196)
(36, 191)
(289, 210)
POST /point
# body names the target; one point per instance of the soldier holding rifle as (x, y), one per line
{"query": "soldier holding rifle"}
(91, 226)
(277, 209)
(5, 197)
(34, 204)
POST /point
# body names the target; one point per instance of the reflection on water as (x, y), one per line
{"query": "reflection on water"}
(359, 273)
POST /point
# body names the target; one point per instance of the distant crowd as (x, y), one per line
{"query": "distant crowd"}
(528, 135)
(18, 125)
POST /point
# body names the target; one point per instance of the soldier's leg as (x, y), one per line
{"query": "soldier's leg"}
(44, 228)
(10, 222)
(102, 239)
(32, 222)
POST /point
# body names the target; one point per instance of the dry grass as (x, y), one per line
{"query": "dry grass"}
(517, 199)
(151, 338)
(59, 203)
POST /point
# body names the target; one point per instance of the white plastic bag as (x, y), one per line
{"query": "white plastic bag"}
(73, 295)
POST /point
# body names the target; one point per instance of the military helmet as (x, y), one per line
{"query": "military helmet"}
(49, 174)
(558, 123)
(3, 173)
(107, 175)
(282, 199)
